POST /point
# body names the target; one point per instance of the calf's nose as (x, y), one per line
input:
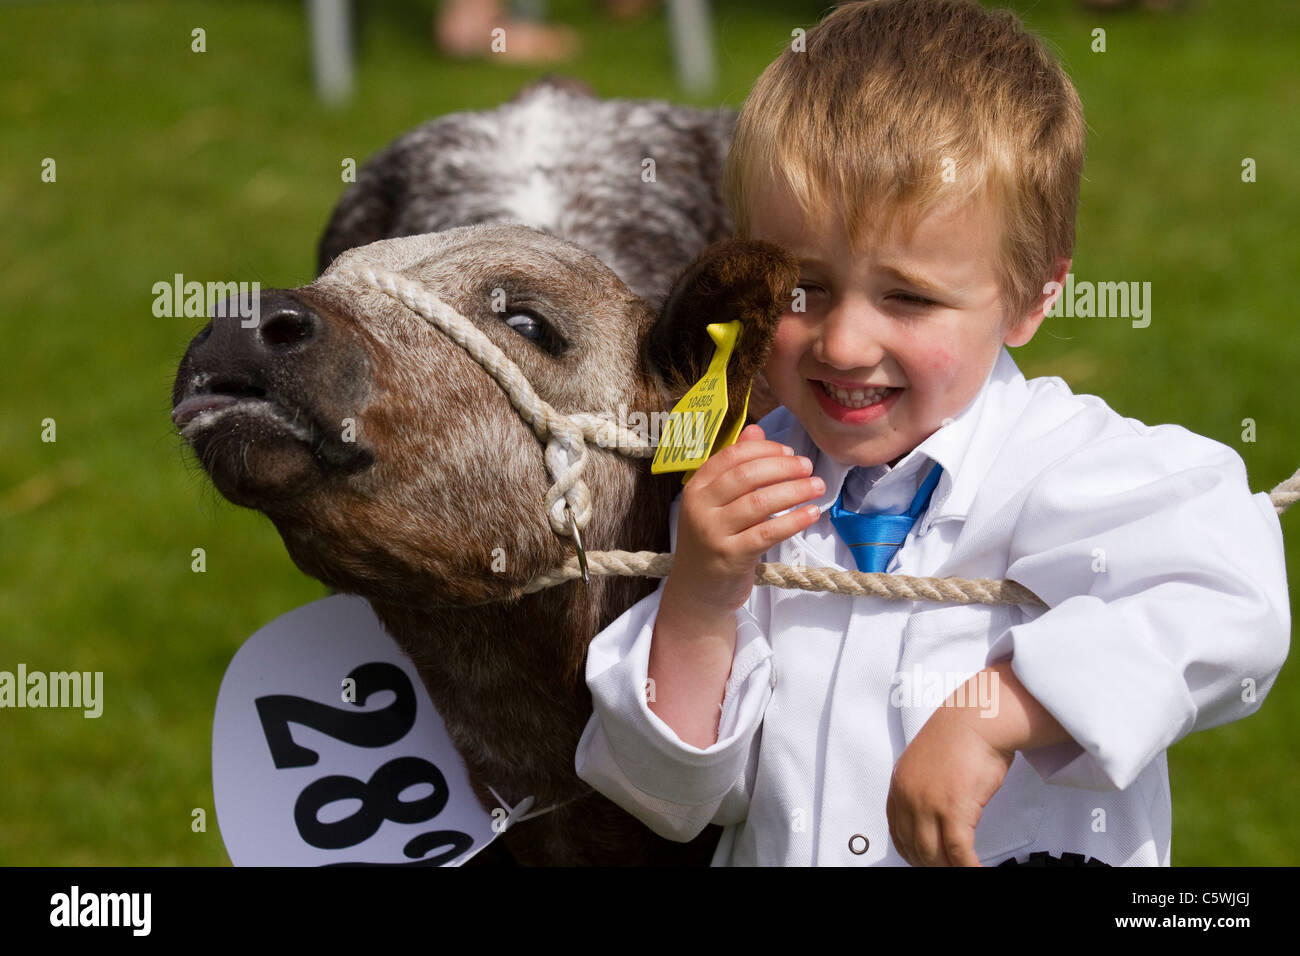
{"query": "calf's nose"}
(289, 324)
(259, 332)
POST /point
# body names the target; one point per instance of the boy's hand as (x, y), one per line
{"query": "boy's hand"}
(939, 788)
(957, 761)
(724, 524)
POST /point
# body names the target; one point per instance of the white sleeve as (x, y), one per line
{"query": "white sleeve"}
(1166, 583)
(635, 759)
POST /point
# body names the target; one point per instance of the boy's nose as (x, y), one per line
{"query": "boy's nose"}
(851, 337)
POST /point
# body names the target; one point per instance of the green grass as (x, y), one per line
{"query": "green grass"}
(222, 164)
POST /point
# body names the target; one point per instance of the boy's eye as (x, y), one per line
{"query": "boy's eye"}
(912, 299)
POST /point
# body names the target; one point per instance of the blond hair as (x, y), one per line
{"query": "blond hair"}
(894, 105)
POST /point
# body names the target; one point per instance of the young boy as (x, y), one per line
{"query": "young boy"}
(921, 159)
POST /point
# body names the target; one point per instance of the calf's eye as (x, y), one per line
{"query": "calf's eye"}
(536, 329)
(527, 325)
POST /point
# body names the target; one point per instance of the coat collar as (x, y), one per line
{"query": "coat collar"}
(992, 413)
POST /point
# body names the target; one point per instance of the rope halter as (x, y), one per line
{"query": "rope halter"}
(568, 500)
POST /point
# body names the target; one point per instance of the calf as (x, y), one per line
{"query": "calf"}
(444, 477)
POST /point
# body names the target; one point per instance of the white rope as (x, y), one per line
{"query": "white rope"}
(901, 587)
(1286, 494)
(566, 437)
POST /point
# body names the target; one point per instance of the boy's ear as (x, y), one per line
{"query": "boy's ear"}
(1030, 323)
(733, 279)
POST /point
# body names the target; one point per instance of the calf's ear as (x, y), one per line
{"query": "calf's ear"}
(734, 279)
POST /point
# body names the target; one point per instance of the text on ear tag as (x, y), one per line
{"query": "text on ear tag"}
(688, 436)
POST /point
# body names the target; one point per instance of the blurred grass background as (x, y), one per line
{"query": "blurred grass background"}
(222, 165)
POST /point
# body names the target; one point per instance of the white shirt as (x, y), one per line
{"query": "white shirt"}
(1165, 581)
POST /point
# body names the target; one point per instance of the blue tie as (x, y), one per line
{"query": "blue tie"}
(875, 538)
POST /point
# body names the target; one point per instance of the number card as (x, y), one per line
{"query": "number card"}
(326, 750)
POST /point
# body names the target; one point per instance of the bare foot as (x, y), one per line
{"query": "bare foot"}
(473, 28)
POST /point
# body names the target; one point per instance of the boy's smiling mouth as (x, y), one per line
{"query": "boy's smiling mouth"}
(854, 404)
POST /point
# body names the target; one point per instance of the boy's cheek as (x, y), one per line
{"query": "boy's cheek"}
(943, 367)
(782, 359)
(947, 387)
(951, 381)
(787, 332)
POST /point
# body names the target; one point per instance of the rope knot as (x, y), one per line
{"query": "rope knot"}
(566, 457)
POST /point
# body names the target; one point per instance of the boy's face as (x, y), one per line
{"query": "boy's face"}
(919, 314)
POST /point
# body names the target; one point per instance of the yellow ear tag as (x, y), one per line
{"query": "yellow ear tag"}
(687, 439)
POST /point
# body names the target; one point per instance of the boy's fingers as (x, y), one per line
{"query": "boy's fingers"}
(763, 537)
(900, 827)
(959, 844)
(750, 492)
(733, 456)
(928, 842)
(750, 448)
(752, 509)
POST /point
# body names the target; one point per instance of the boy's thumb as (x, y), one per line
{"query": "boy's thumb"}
(750, 433)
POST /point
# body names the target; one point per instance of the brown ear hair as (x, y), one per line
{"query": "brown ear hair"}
(733, 279)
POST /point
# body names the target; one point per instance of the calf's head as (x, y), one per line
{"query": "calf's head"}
(393, 464)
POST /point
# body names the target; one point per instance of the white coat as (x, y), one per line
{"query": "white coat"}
(1168, 612)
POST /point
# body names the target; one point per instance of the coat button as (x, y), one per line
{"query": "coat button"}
(858, 844)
